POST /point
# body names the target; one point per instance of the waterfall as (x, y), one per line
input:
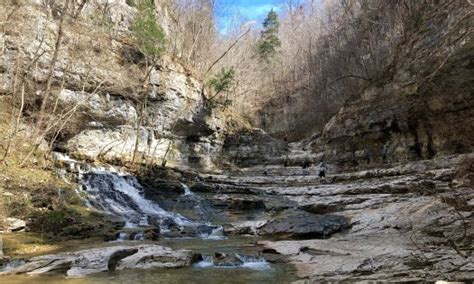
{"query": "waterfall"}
(119, 194)
(187, 191)
(122, 195)
(196, 207)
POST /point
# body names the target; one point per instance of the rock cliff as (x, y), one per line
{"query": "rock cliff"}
(423, 108)
(99, 78)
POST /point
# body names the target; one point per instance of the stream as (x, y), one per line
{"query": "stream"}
(122, 196)
(251, 272)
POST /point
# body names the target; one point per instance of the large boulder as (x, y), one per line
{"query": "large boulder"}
(304, 225)
(156, 257)
(81, 263)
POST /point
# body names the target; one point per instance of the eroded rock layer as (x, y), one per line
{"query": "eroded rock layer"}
(422, 108)
(112, 105)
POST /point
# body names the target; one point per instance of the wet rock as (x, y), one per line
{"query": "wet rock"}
(304, 225)
(85, 262)
(152, 234)
(272, 255)
(229, 229)
(319, 208)
(247, 204)
(189, 231)
(194, 207)
(223, 259)
(135, 234)
(203, 187)
(246, 230)
(238, 202)
(222, 187)
(244, 227)
(158, 189)
(15, 224)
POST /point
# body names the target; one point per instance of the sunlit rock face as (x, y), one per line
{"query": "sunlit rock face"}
(178, 125)
(98, 79)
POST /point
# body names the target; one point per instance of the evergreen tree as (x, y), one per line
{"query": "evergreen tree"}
(148, 34)
(269, 41)
(222, 82)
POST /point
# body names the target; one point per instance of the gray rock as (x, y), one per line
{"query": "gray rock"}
(108, 88)
(156, 257)
(81, 263)
(300, 224)
(15, 224)
(253, 147)
(154, 77)
(226, 260)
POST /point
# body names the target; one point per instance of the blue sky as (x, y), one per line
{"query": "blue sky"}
(249, 10)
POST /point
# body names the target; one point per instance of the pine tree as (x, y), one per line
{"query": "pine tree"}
(223, 81)
(148, 34)
(269, 41)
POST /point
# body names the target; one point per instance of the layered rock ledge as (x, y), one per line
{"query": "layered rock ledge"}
(82, 263)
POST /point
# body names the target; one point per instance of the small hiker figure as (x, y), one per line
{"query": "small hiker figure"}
(322, 170)
(265, 171)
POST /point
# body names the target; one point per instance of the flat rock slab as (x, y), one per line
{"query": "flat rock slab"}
(81, 263)
(14, 224)
(304, 225)
(376, 257)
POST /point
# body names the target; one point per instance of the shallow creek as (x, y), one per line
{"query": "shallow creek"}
(122, 196)
(250, 272)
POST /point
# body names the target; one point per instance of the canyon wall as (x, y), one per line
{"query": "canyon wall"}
(423, 109)
(98, 78)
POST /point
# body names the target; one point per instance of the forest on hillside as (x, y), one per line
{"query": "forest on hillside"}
(318, 54)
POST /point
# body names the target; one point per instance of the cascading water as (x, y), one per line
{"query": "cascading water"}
(243, 261)
(193, 205)
(187, 191)
(120, 194)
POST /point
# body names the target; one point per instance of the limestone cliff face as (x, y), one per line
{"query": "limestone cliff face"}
(423, 110)
(253, 147)
(99, 76)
